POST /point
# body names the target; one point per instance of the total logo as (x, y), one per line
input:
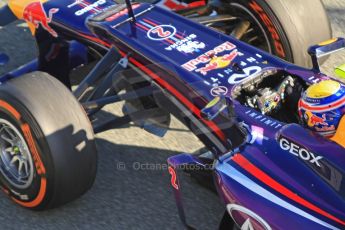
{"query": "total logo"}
(300, 152)
(191, 47)
(219, 91)
(187, 45)
(87, 7)
(161, 32)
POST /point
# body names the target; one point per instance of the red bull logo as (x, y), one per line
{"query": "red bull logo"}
(34, 13)
(218, 63)
(313, 119)
(209, 56)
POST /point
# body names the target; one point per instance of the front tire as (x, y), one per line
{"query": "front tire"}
(48, 155)
(285, 28)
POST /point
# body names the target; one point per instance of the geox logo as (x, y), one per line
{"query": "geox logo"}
(300, 152)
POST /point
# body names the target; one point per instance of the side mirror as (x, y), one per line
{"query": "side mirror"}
(324, 49)
(216, 106)
(4, 59)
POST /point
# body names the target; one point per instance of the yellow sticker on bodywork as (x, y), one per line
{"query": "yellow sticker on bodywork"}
(330, 41)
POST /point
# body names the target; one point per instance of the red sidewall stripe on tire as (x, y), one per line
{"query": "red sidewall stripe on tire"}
(34, 152)
(271, 28)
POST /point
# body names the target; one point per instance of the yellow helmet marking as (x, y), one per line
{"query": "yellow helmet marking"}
(323, 89)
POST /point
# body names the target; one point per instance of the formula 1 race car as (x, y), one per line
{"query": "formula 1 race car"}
(238, 100)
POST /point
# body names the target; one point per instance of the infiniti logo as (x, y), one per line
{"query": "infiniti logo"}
(247, 224)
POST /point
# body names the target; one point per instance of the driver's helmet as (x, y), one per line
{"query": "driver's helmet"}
(321, 107)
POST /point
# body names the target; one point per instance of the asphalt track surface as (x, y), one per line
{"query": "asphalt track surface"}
(132, 189)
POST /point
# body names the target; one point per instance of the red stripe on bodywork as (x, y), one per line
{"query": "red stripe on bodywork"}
(213, 126)
(263, 177)
(179, 36)
(171, 42)
(150, 22)
(96, 40)
(142, 26)
(179, 96)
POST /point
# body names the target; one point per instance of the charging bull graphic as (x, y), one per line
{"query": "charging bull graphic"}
(315, 120)
(34, 13)
(218, 62)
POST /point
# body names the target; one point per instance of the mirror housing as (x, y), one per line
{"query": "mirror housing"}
(220, 104)
(221, 111)
(324, 49)
(4, 59)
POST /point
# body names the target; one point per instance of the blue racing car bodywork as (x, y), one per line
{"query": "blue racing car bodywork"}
(270, 171)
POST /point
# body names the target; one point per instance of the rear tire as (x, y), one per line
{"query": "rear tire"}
(57, 150)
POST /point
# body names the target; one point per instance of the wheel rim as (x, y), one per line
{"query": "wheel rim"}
(16, 164)
(244, 26)
(258, 38)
